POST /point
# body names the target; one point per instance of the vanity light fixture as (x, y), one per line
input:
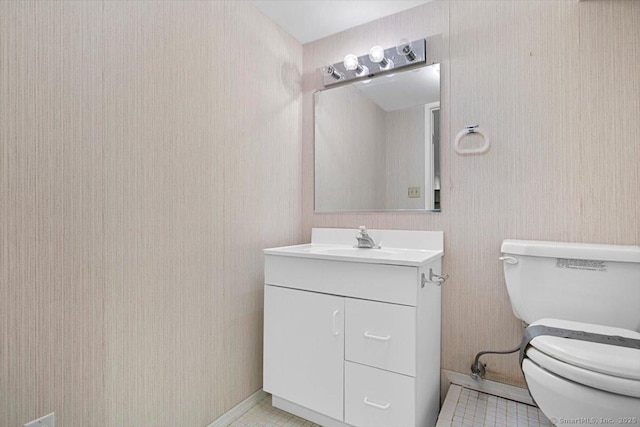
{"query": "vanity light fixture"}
(351, 63)
(330, 71)
(376, 55)
(405, 48)
(377, 62)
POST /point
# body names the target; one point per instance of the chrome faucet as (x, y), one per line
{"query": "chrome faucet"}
(364, 240)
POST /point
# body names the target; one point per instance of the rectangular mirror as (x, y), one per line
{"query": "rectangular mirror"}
(377, 143)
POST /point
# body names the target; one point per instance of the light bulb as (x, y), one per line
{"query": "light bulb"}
(376, 55)
(405, 49)
(351, 62)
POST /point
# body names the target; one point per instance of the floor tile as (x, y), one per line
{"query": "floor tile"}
(472, 409)
(264, 415)
(475, 409)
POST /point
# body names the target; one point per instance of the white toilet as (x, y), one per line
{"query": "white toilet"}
(582, 287)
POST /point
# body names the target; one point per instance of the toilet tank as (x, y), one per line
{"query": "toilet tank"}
(588, 283)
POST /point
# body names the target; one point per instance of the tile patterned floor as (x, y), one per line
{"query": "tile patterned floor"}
(265, 415)
(474, 409)
(462, 408)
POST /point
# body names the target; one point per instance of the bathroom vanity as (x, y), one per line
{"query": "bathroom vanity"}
(352, 336)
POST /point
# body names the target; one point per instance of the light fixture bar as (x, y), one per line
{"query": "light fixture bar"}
(370, 65)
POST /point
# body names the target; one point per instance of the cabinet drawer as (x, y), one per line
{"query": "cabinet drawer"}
(381, 335)
(380, 282)
(374, 397)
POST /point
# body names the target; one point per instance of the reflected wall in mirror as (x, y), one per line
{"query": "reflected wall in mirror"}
(377, 143)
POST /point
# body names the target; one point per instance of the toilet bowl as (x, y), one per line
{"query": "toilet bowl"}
(587, 288)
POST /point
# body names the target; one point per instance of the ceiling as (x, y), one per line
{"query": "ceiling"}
(398, 91)
(311, 20)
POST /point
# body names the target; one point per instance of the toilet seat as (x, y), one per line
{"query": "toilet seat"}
(605, 359)
(601, 366)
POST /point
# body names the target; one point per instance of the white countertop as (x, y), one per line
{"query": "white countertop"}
(334, 252)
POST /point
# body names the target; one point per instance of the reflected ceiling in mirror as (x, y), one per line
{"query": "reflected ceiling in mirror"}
(377, 143)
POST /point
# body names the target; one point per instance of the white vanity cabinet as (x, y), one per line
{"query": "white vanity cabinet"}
(353, 342)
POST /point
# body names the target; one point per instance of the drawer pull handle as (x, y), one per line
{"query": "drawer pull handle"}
(335, 329)
(376, 337)
(376, 405)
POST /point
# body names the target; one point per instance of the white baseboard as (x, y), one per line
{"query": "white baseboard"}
(232, 414)
(507, 391)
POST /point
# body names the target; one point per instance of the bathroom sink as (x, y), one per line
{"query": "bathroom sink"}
(399, 247)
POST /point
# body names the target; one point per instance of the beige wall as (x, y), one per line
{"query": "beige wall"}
(555, 84)
(148, 152)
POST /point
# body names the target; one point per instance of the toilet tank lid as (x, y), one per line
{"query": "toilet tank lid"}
(619, 253)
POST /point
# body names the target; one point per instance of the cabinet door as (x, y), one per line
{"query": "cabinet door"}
(304, 348)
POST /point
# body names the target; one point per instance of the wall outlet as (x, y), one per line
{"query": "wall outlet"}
(414, 192)
(46, 421)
